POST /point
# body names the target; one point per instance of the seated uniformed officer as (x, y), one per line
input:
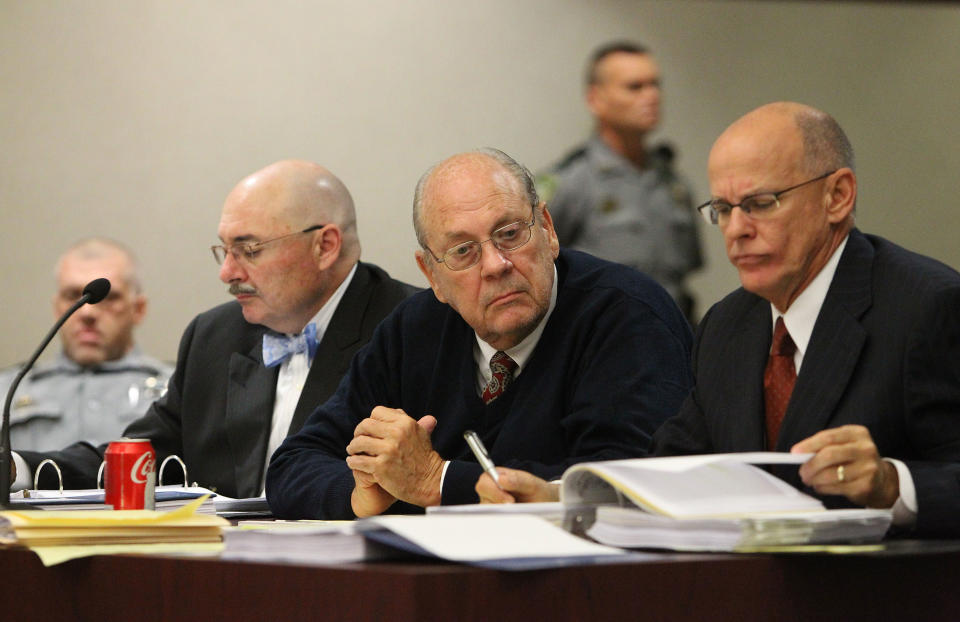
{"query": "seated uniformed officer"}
(616, 197)
(100, 381)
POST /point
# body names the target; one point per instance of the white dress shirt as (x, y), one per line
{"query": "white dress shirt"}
(293, 375)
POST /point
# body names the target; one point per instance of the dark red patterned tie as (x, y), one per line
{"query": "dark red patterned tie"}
(778, 380)
(502, 367)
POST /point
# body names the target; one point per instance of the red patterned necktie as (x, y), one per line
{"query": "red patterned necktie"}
(778, 380)
(502, 367)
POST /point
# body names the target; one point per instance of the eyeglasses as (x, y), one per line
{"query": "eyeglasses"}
(760, 205)
(115, 298)
(248, 251)
(506, 238)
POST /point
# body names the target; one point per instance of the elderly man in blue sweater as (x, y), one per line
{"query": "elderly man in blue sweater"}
(553, 357)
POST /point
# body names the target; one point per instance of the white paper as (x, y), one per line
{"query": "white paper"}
(473, 538)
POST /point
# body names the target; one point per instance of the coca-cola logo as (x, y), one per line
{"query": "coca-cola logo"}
(142, 468)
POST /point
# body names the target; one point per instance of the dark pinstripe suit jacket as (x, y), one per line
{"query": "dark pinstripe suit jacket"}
(884, 353)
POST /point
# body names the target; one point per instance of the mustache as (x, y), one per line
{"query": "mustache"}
(236, 289)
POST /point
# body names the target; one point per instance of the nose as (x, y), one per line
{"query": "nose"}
(493, 261)
(231, 270)
(88, 313)
(738, 224)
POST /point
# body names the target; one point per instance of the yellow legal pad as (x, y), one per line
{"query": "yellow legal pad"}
(86, 530)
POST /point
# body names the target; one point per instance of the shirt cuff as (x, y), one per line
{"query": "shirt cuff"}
(443, 475)
(905, 507)
(24, 473)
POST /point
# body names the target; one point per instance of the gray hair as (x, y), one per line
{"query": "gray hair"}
(98, 247)
(825, 145)
(518, 171)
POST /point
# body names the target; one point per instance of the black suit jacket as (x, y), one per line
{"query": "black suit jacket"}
(884, 353)
(217, 410)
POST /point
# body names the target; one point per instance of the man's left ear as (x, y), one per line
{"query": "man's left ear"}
(139, 308)
(842, 195)
(326, 246)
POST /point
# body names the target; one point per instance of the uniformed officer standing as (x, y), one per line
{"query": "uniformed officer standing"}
(100, 381)
(615, 198)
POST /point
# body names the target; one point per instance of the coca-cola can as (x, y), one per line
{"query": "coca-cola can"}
(130, 474)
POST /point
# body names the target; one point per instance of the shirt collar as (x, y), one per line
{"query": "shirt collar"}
(521, 352)
(801, 316)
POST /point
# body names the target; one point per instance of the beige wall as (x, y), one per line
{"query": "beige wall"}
(134, 119)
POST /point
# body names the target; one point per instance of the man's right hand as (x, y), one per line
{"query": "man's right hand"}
(515, 487)
(368, 498)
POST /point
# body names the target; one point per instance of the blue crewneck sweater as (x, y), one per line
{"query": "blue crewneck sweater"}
(611, 365)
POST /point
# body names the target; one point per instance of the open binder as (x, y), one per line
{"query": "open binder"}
(717, 502)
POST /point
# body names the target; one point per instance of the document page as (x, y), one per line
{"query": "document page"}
(471, 538)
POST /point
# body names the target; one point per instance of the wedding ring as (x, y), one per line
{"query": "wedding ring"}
(840, 474)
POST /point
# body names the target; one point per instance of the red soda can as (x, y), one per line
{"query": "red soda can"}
(130, 474)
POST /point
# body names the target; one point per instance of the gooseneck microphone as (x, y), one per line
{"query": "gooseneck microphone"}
(95, 291)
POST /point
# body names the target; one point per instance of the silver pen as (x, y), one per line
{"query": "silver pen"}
(476, 446)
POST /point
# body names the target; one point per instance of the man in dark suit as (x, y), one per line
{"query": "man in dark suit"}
(865, 374)
(248, 372)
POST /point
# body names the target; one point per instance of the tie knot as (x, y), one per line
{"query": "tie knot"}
(782, 343)
(502, 363)
(278, 348)
(502, 367)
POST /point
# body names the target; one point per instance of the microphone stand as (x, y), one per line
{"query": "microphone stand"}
(6, 455)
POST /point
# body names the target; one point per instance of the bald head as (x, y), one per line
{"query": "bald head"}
(507, 174)
(105, 250)
(819, 139)
(301, 194)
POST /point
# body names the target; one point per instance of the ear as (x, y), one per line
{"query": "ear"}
(546, 223)
(594, 100)
(841, 195)
(326, 246)
(427, 265)
(139, 308)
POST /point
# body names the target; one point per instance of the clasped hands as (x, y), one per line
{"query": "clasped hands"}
(865, 478)
(392, 458)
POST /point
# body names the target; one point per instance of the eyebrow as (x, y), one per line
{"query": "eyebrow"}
(247, 237)
(746, 196)
(466, 237)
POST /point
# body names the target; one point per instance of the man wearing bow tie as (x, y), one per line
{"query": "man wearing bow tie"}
(250, 371)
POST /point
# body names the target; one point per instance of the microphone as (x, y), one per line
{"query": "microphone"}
(95, 291)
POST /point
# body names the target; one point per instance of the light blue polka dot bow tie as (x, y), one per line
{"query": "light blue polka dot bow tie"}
(277, 348)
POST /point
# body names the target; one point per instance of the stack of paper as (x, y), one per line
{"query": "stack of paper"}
(505, 541)
(635, 528)
(301, 542)
(34, 528)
